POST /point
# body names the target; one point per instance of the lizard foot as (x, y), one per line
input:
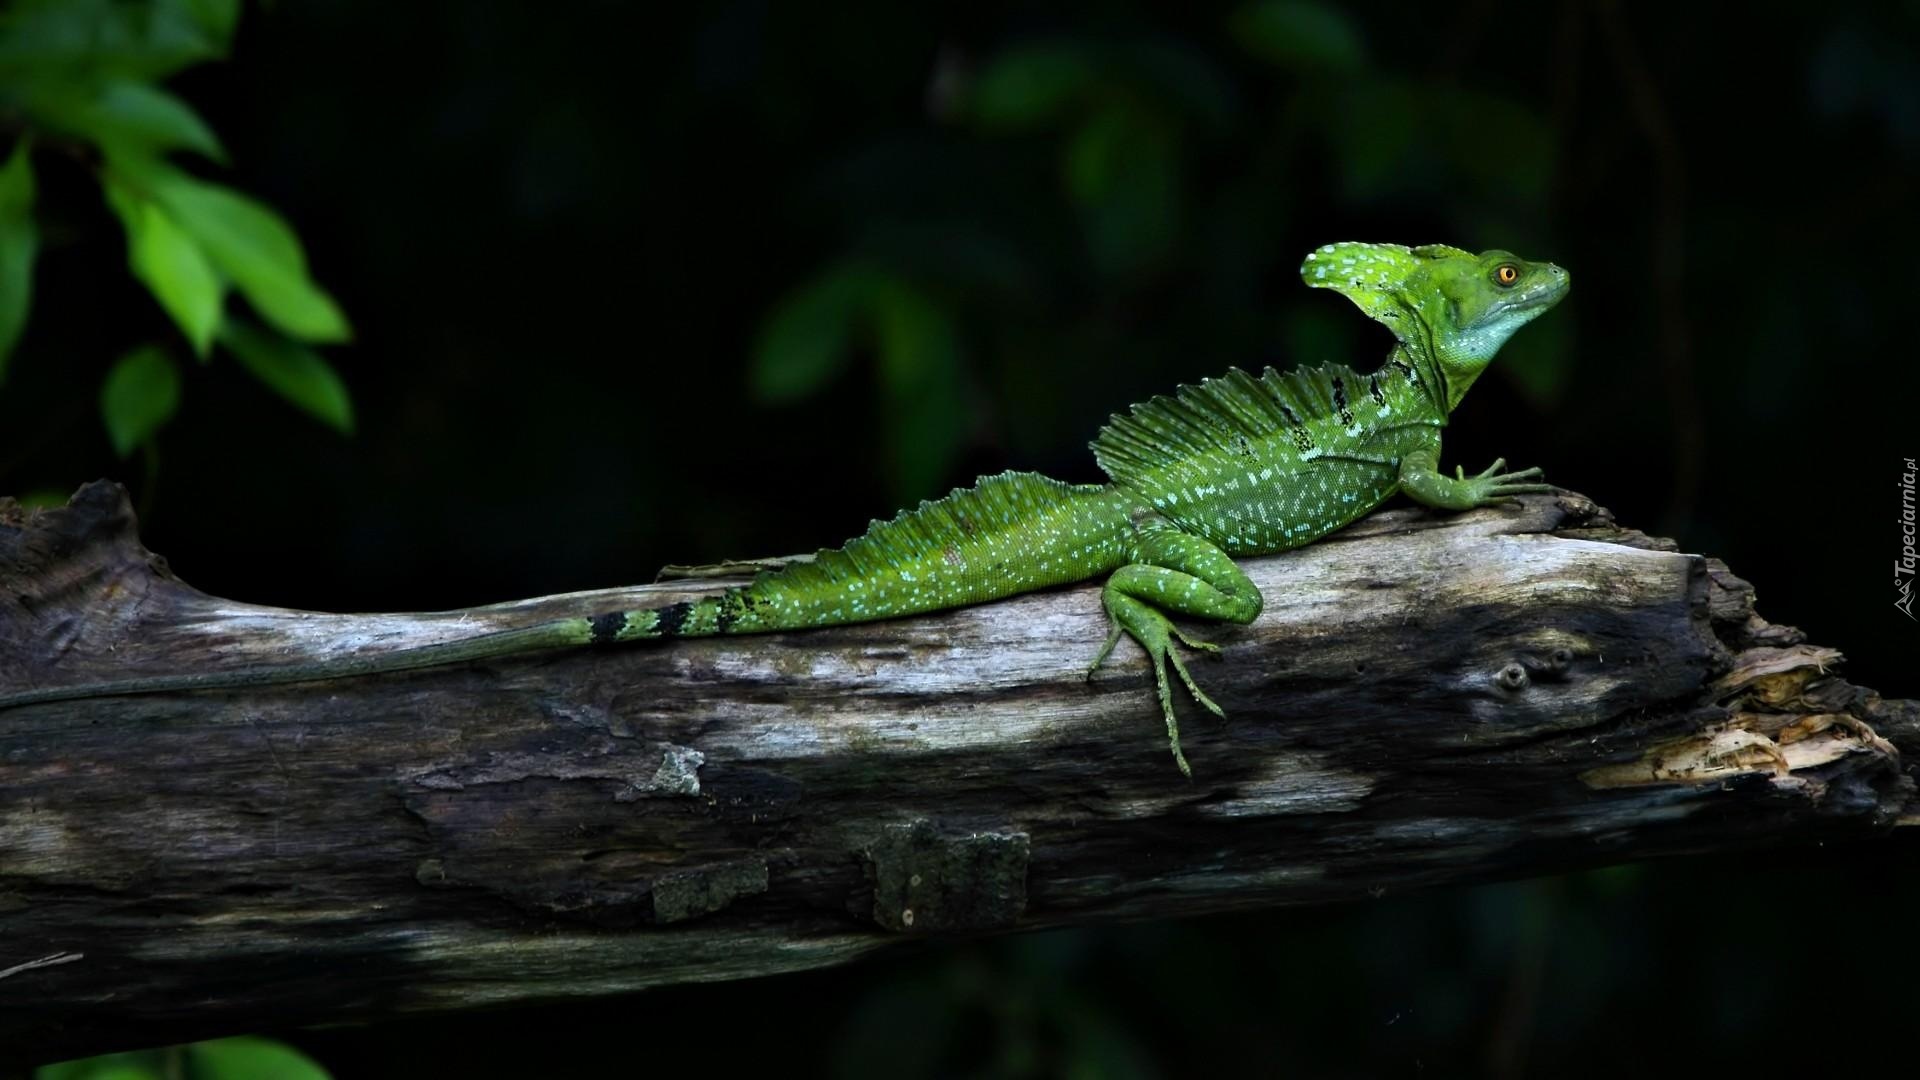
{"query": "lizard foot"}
(1156, 634)
(1495, 488)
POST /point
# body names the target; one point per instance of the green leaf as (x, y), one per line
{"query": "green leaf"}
(126, 1072)
(962, 254)
(1095, 155)
(216, 17)
(62, 39)
(171, 265)
(133, 1066)
(1123, 170)
(1031, 86)
(1502, 147)
(251, 246)
(1376, 129)
(129, 1065)
(293, 371)
(1173, 78)
(921, 375)
(807, 339)
(1299, 36)
(44, 499)
(141, 394)
(19, 242)
(126, 115)
(1613, 881)
(248, 1058)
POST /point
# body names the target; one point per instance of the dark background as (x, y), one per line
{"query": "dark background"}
(563, 232)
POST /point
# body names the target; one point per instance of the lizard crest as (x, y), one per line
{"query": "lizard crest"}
(1452, 309)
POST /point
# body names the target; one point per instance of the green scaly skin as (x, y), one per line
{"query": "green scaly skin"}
(1238, 465)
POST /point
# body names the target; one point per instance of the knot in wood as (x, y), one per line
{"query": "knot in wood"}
(1552, 666)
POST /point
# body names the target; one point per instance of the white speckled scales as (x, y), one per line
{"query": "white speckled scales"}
(1009, 534)
(1250, 464)
(1265, 464)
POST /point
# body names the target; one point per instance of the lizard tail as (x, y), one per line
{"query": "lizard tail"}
(943, 554)
(697, 618)
(743, 610)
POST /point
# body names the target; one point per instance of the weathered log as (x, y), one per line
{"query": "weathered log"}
(1426, 699)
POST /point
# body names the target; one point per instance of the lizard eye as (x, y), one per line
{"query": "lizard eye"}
(1507, 274)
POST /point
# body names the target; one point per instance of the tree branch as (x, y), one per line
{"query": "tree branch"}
(1426, 699)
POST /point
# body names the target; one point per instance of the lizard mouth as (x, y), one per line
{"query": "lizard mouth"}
(1547, 291)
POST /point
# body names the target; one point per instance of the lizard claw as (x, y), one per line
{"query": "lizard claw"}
(1194, 643)
(1495, 488)
(1180, 666)
(1113, 638)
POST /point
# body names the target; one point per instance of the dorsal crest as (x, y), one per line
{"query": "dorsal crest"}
(962, 520)
(1232, 414)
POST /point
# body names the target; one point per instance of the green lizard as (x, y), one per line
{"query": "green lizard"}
(1237, 465)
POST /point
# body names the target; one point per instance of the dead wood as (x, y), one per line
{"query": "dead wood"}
(1426, 699)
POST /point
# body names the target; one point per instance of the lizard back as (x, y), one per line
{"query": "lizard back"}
(1266, 463)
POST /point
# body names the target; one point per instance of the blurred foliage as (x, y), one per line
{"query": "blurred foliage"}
(242, 1058)
(140, 394)
(808, 339)
(80, 78)
(1129, 118)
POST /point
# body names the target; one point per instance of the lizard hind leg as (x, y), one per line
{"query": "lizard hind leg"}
(1154, 631)
(1187, 575)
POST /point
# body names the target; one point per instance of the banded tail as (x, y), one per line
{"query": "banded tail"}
(1013, 533)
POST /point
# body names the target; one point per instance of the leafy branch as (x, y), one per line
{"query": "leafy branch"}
(81, 77)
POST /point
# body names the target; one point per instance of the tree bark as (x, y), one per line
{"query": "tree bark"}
(1427, 699)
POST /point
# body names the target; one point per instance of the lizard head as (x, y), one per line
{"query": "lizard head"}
(1452, 309)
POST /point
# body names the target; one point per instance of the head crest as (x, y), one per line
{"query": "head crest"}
(1372, 275)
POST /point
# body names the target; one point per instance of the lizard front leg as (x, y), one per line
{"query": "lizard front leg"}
(1182, 573)
(1422, 480)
